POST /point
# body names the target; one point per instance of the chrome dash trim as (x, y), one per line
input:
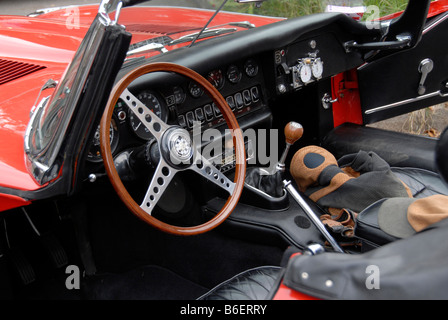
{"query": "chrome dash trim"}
(435, 23)
(403, 102)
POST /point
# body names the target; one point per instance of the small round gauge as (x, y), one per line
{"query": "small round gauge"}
(94, 154)
(179, 95)
(195, 90)
(151, 101)
(305, 73)
(251, 68)
(317, 68)
(234, 74)
(216, 78)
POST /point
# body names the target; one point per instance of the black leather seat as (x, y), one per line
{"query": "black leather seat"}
(253, 284)
(422, 183)
(258, 283)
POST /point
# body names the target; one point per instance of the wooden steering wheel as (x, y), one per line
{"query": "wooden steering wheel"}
(177, 151)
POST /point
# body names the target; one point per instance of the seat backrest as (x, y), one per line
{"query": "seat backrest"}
(442, 155)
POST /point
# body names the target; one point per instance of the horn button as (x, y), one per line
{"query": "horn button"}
(177, 148)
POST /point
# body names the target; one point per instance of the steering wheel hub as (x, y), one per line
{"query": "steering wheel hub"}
(180, 145)
(177, 148)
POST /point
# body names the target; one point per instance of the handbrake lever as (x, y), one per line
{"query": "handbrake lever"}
(310, 213)
(293, 132)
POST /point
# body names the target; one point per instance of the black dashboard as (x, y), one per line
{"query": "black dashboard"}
(252, 69)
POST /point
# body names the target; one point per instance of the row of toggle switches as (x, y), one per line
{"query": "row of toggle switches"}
(210, 112)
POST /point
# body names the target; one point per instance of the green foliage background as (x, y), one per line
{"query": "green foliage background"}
(295, 8)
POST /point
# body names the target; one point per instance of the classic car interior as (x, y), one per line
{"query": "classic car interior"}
(273, 77)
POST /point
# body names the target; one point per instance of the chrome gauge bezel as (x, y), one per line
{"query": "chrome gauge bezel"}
(234, 74)
(305, 73)
(317, 68)
(216, 78)
(251, 68)
(94, 153)
(195, 90)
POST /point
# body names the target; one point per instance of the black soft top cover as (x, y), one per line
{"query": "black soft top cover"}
(412, 268)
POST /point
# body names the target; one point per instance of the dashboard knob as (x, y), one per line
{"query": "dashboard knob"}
(281, 88)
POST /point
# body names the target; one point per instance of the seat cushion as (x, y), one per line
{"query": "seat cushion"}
(253, 284)
(422, 183)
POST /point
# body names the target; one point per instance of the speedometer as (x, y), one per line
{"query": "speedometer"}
(152, 102)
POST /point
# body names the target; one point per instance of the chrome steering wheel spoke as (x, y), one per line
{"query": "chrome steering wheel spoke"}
(159, 182)
(206, 169)
(178, 147)
(148, 118)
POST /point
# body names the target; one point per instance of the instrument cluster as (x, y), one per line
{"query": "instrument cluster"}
(184, 104)
(240, 85)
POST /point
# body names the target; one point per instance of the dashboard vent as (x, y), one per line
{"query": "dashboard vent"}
(11, 70)
(163, 29)
(164, 40)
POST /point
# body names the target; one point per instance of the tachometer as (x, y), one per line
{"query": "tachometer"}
(151, 101)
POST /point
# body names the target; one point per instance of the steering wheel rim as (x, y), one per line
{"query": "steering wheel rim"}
(141, 211)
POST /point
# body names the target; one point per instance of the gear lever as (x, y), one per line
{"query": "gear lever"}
(271, 182)
(293, 132)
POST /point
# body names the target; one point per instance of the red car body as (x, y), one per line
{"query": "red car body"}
(45, 46)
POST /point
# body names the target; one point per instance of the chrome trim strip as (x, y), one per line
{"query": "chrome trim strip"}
(400, 103)
(435, 23)
(148, 47)
(256, 190)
